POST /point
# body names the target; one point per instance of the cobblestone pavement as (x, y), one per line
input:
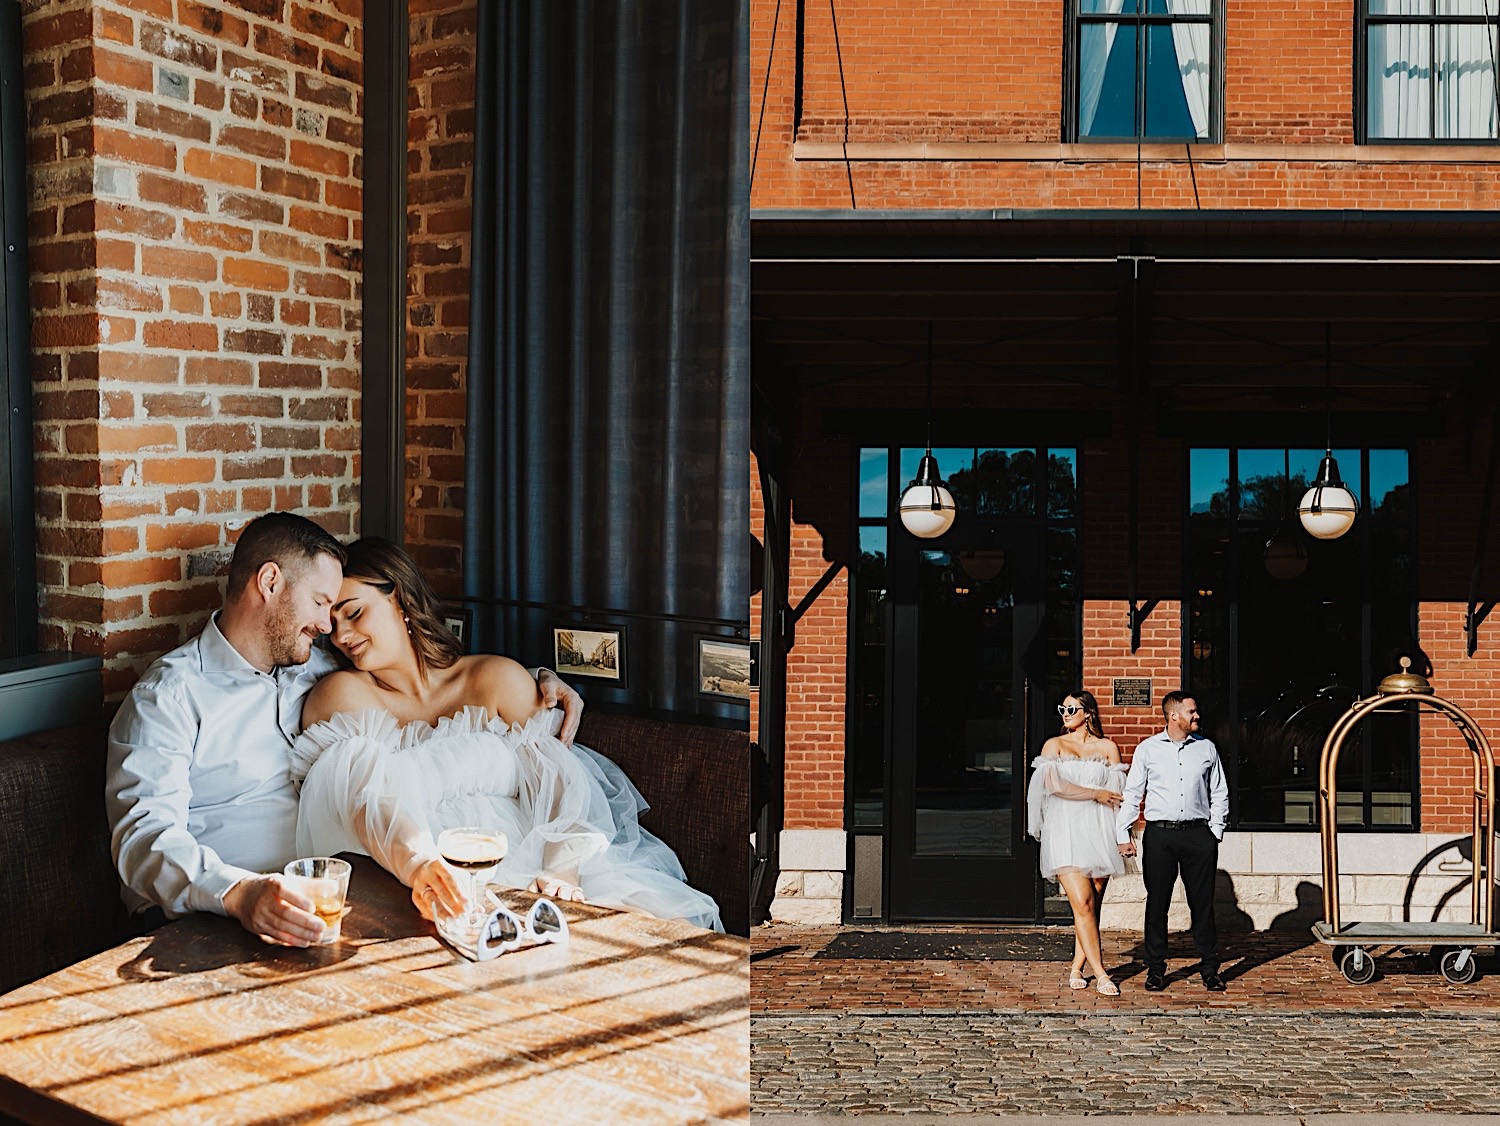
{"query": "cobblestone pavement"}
(1290, 1037)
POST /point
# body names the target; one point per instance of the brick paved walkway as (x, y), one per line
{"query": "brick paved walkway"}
(1289, 1037)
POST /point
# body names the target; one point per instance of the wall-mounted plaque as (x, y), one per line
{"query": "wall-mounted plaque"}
(1132, 691)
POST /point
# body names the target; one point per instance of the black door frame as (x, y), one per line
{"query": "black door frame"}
(961, 888)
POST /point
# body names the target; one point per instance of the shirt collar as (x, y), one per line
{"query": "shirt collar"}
(217, 654)
(1192, 737)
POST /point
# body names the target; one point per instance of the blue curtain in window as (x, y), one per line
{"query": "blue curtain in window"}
(607, 476)
(1160, 70)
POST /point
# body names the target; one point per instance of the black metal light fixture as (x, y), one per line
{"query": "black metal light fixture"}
(927, 508)
(1328, 508)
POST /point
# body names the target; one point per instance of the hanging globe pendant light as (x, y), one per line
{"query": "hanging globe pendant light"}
(927, 508)
(1328, 508)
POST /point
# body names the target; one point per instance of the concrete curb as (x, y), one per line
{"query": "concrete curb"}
(1351, 1119)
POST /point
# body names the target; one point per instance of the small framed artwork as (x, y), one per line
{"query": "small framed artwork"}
(589, 651)
(460, 622)
(724, 667)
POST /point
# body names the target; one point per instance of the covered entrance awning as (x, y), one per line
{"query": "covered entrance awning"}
(1208, 311)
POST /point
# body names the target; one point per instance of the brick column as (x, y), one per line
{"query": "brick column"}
(440, 136)
(195, 199)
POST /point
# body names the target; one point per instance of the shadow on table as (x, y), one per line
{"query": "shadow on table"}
(203, 943)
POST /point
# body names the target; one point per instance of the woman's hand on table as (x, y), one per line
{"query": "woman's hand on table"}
(554, 888)
(435, 890)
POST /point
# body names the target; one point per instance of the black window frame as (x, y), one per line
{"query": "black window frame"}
(1358, 481)
(1363, 20)
(18, 602)
(1073, 21)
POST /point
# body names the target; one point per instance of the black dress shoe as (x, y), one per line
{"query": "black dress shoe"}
(1213, 983)
(1155, 982)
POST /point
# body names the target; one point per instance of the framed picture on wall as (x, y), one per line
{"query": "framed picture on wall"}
(724, 667)
(460, 622)
(585, 650)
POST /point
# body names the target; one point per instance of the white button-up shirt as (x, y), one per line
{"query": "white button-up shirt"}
(1182, 782)
(199, 791)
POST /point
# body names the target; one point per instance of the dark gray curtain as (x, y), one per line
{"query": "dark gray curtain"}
(607, 477)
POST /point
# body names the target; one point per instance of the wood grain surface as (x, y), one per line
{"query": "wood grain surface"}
(633, 1020)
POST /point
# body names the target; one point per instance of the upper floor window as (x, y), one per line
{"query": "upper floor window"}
(1145, 70)
(1429, 69)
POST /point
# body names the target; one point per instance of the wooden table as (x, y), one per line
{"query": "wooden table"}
(633, 1020)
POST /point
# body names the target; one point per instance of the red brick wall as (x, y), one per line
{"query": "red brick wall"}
(930, 73)
(817, 673)
(1105, 480)
(195, 245)
(975, 72)
(440, 132)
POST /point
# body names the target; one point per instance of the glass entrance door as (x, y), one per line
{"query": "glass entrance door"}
(966, 632)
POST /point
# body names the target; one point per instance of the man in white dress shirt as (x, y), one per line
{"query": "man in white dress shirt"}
(1187, 806)
(201, 805)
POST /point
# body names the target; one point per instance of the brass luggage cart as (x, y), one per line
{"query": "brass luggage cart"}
(1451, 944)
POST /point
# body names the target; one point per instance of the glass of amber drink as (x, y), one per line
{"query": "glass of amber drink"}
(326, 882)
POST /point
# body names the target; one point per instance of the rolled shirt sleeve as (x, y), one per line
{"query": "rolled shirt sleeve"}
(148, 791)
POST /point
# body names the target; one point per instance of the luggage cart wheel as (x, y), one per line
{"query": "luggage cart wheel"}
(1458, 966)
(1358, 966)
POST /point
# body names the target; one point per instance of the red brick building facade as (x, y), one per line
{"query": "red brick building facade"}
(920, 164)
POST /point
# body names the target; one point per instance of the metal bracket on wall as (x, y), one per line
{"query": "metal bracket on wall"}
(1134, 310)
(1138, 616)
(789, 627)
(1474, 618)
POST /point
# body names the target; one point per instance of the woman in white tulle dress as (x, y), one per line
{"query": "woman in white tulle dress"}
(1075, 790)
(417, 737)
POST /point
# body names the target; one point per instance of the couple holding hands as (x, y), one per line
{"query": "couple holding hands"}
(1082, 804)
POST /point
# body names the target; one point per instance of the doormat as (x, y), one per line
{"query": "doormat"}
(920, 946)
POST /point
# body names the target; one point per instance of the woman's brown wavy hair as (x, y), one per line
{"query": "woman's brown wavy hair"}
(390, 570)
(1090, 707)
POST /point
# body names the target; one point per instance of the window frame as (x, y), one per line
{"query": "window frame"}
(1363, 19)
(1230, 755)
(1073, 20)
(18, 548)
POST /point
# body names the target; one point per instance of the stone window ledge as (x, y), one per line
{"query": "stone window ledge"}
(1155, 153)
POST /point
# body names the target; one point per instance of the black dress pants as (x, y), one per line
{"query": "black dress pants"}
(1192, 850)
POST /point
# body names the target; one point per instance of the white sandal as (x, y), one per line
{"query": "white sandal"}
(1077, 981)
(1107, 988)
